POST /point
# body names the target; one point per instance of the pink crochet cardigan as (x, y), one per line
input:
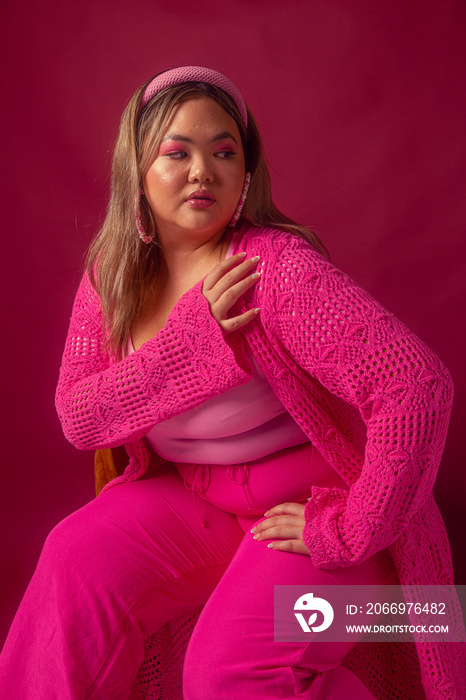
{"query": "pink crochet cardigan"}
(368, 393)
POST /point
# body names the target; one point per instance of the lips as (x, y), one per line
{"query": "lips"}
(200, 199)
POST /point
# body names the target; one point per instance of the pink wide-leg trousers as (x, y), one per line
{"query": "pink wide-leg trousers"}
(144, 553)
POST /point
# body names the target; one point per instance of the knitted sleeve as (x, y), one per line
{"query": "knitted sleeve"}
(103, 404)
(340, 336)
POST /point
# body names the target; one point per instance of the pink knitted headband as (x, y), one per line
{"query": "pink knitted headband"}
(198, 74)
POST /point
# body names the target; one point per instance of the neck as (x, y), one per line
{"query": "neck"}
(185, 260)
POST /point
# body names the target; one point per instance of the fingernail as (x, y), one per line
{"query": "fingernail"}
(256, 537)
(256, 311)
(253, 530)
(255, 259)
(270, 545)
(241, 255)
(267, 512)
(255, 275)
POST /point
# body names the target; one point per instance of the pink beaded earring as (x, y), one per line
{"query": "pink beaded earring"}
(242, 199)
(143, 235)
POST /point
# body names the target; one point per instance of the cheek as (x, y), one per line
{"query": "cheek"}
(160, 178)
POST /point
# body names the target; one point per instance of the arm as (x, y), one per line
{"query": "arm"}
(362, 354)
(104, 404)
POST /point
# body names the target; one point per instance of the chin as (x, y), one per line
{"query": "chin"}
(208, 229)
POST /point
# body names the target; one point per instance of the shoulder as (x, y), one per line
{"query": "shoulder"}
(86, 288)
(86, 317)
(272, 241)
(265, 237)
(274, 244)
(289, 260)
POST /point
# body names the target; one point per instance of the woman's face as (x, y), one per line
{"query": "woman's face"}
(194, 184)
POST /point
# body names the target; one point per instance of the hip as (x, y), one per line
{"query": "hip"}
(251, 488)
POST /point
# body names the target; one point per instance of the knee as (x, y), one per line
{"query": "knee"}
(59, 541)
(68, 549)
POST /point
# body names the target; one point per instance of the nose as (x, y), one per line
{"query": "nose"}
(201, 169)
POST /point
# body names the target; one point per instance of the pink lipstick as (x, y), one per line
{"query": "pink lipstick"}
(201, 199)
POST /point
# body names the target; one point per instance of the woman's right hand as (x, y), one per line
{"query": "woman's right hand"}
(225, 284)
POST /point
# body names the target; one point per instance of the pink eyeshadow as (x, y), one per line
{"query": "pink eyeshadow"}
(226, 147)
(170, 146)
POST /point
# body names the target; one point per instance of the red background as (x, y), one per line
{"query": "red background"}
(362, 106)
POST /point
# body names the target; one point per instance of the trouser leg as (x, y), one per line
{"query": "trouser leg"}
(108, 576)
(232, 654)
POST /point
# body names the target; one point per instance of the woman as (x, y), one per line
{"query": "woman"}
(244, 374)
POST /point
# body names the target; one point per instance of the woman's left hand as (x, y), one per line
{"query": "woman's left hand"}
(285, 521)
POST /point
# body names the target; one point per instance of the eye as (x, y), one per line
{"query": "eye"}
(225, 154)
(176, 155)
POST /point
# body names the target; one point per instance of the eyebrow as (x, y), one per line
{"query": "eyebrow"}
(185, 139)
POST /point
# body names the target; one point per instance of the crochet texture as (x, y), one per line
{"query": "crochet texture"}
(368, 393)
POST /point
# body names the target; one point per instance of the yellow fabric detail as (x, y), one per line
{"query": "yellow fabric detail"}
(104, 469)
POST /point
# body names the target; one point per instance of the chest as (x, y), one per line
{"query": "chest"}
(160, 302)
(155, 312)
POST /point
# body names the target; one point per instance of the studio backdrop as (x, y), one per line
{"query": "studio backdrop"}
(362, 108)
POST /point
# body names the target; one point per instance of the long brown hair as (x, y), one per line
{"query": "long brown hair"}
(121, 267)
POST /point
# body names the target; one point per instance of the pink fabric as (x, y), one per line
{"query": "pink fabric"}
(369, 394)
(135, 558)
(199, 74)
(244, 423)
(286, 475)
